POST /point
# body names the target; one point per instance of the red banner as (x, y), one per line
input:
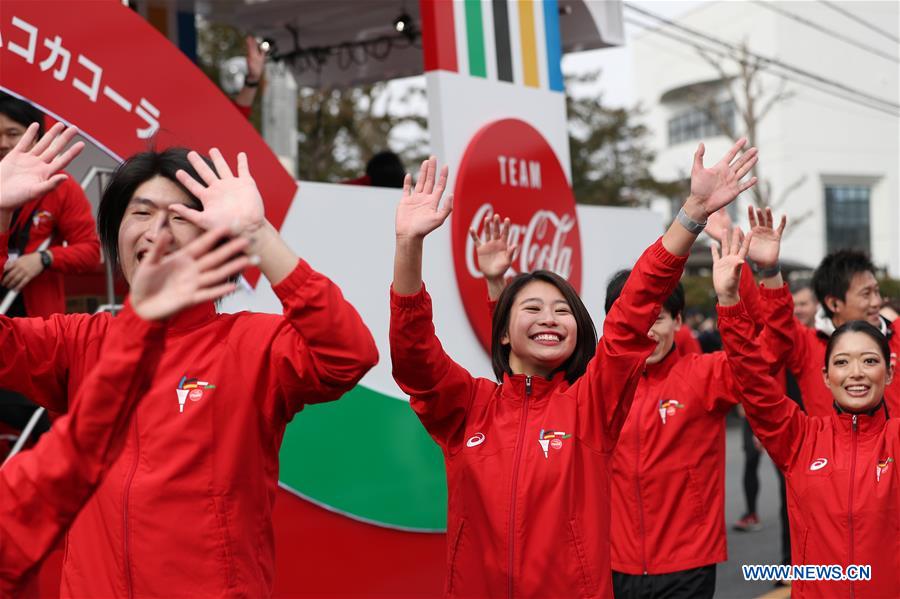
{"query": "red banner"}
(101, 67)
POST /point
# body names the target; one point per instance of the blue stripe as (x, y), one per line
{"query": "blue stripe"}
(554, 45)
(187, 34)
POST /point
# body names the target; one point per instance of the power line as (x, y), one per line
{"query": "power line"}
(830, 32)
(860, 20)
(780, 75)
(764, 59)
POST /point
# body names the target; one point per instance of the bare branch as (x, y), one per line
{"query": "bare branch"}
(783, 196)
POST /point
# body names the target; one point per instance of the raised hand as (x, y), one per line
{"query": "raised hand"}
(229, 201)
(165, 284)
(717, 186)
(256, 60)
(717, 223)
(727, 265)
(766, 243)
(29, 171)
(495, 252)
(420, 211)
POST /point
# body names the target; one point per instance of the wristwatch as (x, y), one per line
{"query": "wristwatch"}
(46, 259)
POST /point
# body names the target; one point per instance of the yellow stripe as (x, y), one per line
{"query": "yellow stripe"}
(529, 47)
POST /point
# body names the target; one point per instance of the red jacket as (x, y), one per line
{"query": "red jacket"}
(685, 342)
(841, 473)
(186, 509)
(42, 490)
(668, 469)
(806, 358)
(528, 460)
(63, 214)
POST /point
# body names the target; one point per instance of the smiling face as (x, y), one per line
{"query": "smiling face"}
(146, 215)
(861, 302)
(857, 372)
(542, 330)
(663, 332)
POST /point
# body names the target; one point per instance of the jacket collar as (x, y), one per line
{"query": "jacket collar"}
(193, 317)
(514, 386)
(825, 327)
(870, 422)
(661, 369)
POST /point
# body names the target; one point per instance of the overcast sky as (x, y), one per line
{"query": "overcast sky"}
(617, 64)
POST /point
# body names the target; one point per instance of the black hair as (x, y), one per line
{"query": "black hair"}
(674, 304)
(586, 340)
(859, 326)
(801, 284)
(833, 276)
(384, 169)
(21, 112)
(127, 177)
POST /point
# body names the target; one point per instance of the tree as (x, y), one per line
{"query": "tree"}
(610, 152)
(741, 75)
(338, 129)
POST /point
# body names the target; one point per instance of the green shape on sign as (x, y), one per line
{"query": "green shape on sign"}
(367, 455)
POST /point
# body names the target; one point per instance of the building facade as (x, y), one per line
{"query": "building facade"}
(828, 145)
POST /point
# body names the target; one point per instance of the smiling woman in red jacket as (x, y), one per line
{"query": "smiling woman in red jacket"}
(527, 459)
(186, 509)
(841, 470)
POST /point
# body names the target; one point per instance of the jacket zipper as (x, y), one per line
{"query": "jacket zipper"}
(132, 470)
(637, 486)
(515, 480)
(853, 443)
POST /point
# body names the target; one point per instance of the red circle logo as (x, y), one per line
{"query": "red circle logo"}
(196, 394)
(510, 169)
(556, 443)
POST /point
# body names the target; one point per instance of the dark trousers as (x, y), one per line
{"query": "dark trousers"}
(698, 583)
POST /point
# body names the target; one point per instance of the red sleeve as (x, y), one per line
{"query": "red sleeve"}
(441, 391)
(323, 347)
(36, 355)
(77, 228)
(711, 379)
(749, 294)
(42, 490)
(686, 343)
(776, 420)
(605, 391)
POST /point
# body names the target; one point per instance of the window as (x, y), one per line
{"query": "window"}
(847, 217)
(696, 123)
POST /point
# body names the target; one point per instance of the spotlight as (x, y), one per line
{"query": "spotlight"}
(266, 45)
(403, 24)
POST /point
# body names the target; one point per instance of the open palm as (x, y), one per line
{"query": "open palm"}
(719, 184)
(165, 284)
(727, 263)
(420, 211)
(228, 200)
(29, 172)
(495, 253)
(766, 243)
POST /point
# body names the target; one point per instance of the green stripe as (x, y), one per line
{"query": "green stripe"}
(367, 455)
(475, 36)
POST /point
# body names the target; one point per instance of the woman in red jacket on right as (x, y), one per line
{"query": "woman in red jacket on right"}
(841, 469)
(527, 458)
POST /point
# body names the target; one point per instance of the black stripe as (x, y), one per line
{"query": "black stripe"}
(501, 40)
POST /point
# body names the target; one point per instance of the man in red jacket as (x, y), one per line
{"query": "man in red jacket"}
(42, 490)
(668, 469)
(62, 215)
(186, 508)
(33, 275)
(847, 289)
